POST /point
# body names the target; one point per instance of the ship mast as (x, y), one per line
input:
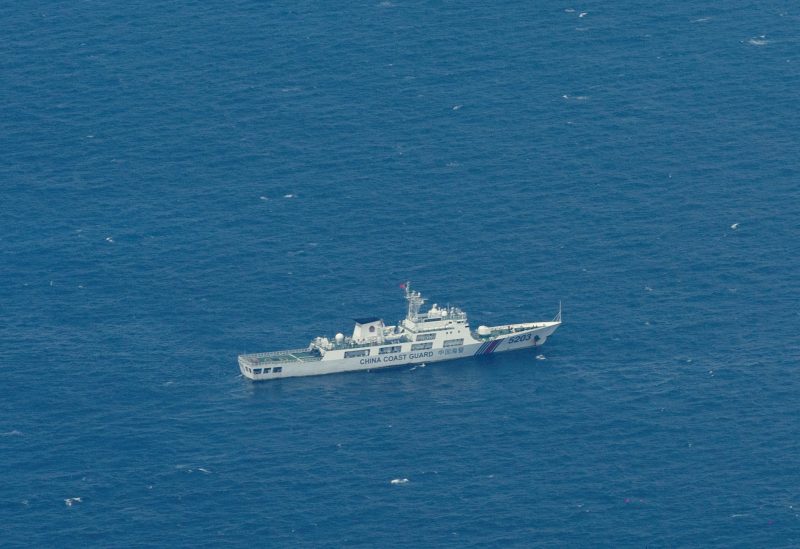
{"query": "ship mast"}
(415, 301)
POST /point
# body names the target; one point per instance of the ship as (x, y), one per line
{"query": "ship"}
(440, 333)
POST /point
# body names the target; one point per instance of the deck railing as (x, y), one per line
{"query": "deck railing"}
(355, 345)
(277, 353)
(292, 355)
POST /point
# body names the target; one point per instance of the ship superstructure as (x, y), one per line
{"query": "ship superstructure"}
(441, 333)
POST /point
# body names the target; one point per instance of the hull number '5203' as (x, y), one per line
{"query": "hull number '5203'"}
(517, 339)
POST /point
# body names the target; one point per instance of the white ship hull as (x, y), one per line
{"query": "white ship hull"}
(517, 336)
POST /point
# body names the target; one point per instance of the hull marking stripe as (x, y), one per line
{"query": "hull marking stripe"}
(493, 346)
(482, 347)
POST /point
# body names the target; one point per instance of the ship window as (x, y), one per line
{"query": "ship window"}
(426, 337)
(454, 342)
(266, 370)
(277, 369)
(351, 354)
(421, 346)
(388, 350)
(257, 371)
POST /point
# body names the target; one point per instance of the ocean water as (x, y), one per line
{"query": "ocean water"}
(183, 182)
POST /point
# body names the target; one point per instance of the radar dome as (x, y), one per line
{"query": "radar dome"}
(339, 338)
(484, 330)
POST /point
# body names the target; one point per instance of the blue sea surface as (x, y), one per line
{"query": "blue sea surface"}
(183, 182)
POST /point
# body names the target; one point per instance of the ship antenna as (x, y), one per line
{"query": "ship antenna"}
(415, 301)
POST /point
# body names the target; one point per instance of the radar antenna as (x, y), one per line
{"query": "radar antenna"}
(415, 301)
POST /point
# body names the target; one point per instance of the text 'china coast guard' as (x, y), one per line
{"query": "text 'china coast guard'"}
(441, 333)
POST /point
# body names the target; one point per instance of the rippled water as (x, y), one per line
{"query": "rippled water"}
(186, 182)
